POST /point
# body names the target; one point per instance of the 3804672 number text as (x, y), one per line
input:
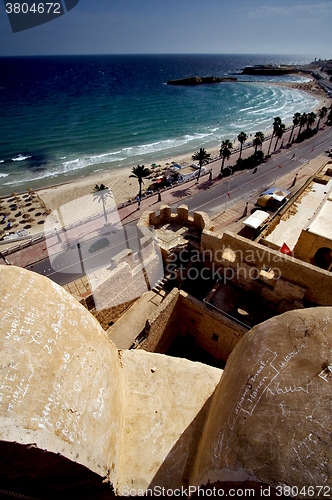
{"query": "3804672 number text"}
(35, 8)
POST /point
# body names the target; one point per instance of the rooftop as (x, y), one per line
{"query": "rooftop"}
(309, 210)
(320, 224)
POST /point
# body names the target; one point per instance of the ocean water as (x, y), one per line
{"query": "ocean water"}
(65, 117)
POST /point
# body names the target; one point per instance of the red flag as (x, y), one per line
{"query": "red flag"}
(279, 166)
(286, 250)
(312, 148)
(229, 196)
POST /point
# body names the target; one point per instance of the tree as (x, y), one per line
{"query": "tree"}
(242, 137)
(276, 124)
(140, 172)
(225, 152)
(311, 117)
(279, 133)
(329, 118)
(258, 140)
(322, 112)
(101, 193)
(202, 157)
(303, 121)
(296, 121)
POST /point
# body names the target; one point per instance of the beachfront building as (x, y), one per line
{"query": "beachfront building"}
(189, 173)
(304, 224)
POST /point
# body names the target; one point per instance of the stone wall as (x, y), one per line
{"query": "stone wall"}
(132, 276)
(200, 220)
(60, 376)
(213, 332)
(69, 401)
(143, 420)
(111, 314)
(270, 415)
(161, 327)
(182, 314)
(280, 279)
(308, 244)
(166, 405)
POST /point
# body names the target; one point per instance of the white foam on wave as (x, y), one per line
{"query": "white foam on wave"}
(245, 109)
(2, 161)
(21, 157)
(3, 175)
(88, 161)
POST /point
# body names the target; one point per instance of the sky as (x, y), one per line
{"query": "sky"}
(178, 27)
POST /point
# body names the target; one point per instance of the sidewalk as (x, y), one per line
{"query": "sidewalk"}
(228, 220)
(130, 213)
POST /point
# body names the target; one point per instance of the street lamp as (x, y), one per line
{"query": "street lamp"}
(229, 186)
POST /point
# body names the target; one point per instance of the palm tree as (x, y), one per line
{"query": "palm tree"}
(140, 172)
(242, 137)
(322, 112)
(311, 119)
(296, 121)
(279, 133)
(101, 193)
(258, 140)
(303, 121)
(329, 118)
(225, 152)
(202, 157)
(276, 124)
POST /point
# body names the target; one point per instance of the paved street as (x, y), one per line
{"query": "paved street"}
(85, 248)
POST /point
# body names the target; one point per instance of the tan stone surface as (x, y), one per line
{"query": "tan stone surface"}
(235, 252)
(160, 443)
(271, 413)
(60, 378)
(64, 389)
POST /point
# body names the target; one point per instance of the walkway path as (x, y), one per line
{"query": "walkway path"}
(38, 251)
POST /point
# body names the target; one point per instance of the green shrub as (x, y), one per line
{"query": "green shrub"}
(306, 134)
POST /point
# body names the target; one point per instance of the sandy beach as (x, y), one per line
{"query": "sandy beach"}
(122, 186)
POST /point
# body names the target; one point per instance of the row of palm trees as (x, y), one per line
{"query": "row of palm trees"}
(279, 128)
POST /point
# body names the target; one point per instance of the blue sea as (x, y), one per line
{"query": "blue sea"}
(65, 117)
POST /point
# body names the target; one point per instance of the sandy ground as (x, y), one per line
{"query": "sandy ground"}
(121, 185)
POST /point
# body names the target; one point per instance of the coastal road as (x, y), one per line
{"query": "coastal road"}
(244, 184)
(76, 261)
(87, 256)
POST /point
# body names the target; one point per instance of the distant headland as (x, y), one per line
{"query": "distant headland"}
(269, 69)
(318, 68)
(199, 80)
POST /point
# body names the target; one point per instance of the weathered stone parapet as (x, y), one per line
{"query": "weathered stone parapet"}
(200, 220)
(288, 279)
(269, 415)
(70, 399)
(182, 214)
(144, 420)
(64, 388)
(165, 213)
(157, 322)
(203, 221)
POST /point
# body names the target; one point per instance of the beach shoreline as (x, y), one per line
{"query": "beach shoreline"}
(125, 188)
